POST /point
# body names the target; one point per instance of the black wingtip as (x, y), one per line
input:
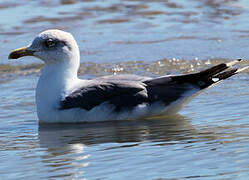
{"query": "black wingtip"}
(225, 75)
(211, 75)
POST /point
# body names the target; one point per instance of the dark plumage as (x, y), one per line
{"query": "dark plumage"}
(128, 91)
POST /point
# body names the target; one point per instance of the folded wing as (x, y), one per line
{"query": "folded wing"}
(124, 92)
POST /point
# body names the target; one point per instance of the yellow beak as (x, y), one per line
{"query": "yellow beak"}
(20, 52)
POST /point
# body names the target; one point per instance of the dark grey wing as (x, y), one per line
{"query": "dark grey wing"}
(120, 94)
(123, 92)
(171, 88)
(167, 89)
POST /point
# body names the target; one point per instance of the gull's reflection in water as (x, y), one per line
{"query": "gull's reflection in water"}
(172, 128)
(70, 147)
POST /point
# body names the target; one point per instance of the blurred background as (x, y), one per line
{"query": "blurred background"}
(131, 30)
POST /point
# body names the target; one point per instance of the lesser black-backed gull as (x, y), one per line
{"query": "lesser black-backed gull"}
(61, 97)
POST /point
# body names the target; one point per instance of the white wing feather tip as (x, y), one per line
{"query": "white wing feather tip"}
(229, 64)
(242, 69)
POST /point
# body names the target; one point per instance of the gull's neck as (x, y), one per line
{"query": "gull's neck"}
(55, 82)
(60, 74)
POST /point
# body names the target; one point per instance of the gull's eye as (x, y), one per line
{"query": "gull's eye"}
(49, 43)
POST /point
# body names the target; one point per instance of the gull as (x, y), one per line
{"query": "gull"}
(61, 97)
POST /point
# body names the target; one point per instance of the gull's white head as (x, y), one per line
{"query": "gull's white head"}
(51, 46)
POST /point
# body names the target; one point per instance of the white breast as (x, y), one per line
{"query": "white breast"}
(53, 85)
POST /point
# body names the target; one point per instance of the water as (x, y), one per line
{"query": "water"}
(206, 140)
